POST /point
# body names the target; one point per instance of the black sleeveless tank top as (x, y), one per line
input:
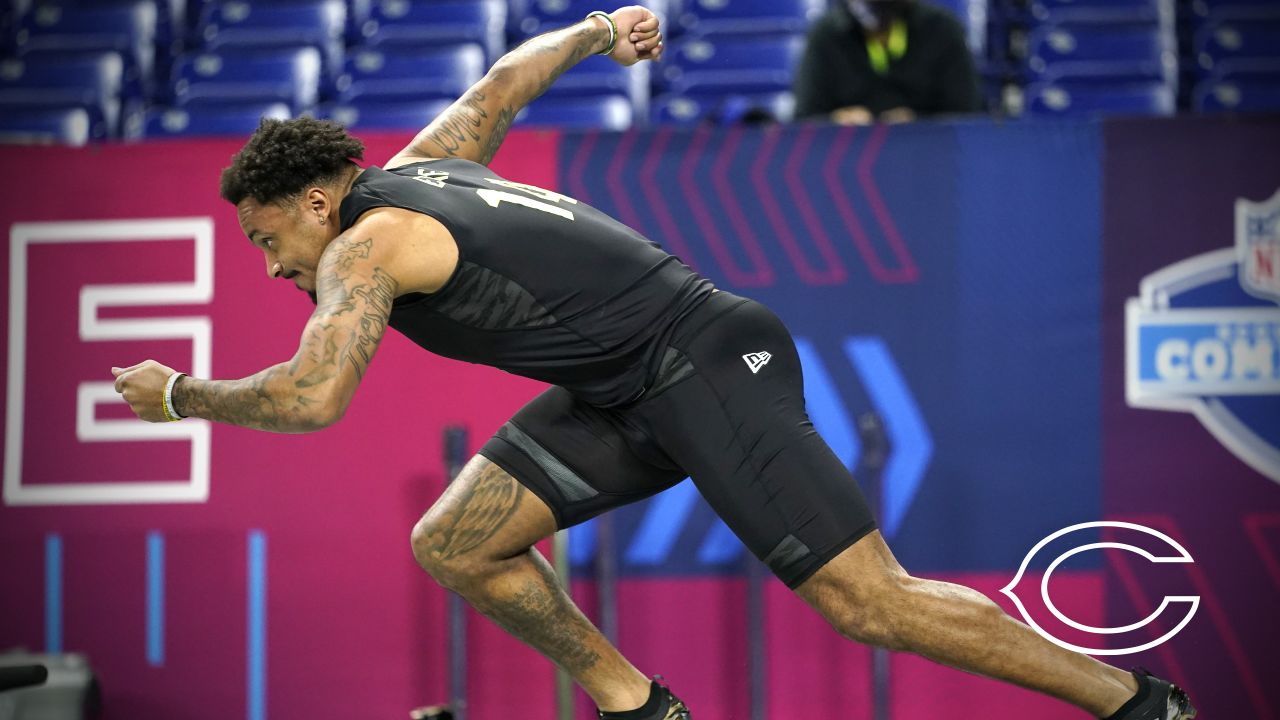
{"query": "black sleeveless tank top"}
(545, 287)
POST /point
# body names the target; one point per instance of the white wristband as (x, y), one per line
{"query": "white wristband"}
(168, 394)
(613, 29)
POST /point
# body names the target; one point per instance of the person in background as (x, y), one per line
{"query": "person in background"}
(887, 61)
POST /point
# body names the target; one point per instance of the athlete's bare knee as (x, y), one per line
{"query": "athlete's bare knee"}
(863, 593)
(433, 550)
(873, 614)
(428, 551)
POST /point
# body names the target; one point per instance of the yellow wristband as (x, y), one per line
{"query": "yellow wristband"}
(168, 414)
(166, 399)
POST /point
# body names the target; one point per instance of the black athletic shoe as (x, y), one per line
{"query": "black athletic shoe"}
(1156, 699)
(662, 705)
(676, 709)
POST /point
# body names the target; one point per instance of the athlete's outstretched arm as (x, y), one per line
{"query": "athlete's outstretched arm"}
(473, 127)
(312, 391)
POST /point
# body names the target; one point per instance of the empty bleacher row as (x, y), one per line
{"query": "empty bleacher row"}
(1137, 56)
(73, 70)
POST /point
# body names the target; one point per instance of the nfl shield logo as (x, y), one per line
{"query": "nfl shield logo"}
(1258, 246)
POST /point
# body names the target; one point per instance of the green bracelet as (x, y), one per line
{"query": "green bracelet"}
(613, 29)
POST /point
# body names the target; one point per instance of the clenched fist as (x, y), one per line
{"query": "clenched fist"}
(638, 35)
(142, 386)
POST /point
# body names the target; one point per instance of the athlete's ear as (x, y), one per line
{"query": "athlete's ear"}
(318, 202)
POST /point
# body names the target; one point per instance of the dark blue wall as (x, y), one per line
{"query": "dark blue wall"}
(944, 276)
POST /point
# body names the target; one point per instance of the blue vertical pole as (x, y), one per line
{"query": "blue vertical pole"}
(455, 458)
(53, 593)
(257, 666)
(155, 599)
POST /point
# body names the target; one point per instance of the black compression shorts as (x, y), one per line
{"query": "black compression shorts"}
(737, 425)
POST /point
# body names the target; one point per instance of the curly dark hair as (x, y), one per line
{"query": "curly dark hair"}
(284, 157)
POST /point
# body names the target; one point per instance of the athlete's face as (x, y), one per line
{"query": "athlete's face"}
(292, 236)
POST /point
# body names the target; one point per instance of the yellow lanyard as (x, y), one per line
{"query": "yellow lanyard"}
(877, 53)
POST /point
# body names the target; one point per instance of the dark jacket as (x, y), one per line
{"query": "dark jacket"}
(935, 76)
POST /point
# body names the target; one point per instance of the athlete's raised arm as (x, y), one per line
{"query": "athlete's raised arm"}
(474, 126)
(354, 291)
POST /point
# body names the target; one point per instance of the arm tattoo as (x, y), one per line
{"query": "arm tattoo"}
(499, 133)
(580, 46)
(342, 293)
(343, 333)
(460, 130)
(474, 127)
(460, 124)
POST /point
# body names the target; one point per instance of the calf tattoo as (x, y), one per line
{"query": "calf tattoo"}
(541, 614)
(520, 593)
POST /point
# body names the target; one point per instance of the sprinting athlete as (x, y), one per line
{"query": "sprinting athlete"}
(656, 375)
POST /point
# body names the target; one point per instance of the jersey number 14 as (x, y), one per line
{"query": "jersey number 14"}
(540, 200)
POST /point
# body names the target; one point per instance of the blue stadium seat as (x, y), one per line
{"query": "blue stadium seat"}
(611, 112)
(1219, 96)
(419, 25)
(749, 16)
(171, 30)
(1218, 10)
(408, 116)
(532, 17)
(1260, 70)
(90, 81)
(1100, 98)
(128, 29)
(1110, 12)
(731, 63)
(170, 15)
(602, 76)
(288, 76)
(445, 72)
(238, 24)
(1225, 42)
(236, 120)
(690, 109)
(1132, 52)
(27, 126)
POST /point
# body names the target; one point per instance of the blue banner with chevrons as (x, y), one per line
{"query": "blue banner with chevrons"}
(943, 277)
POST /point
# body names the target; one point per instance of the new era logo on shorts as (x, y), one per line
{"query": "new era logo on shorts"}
(756, 360)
